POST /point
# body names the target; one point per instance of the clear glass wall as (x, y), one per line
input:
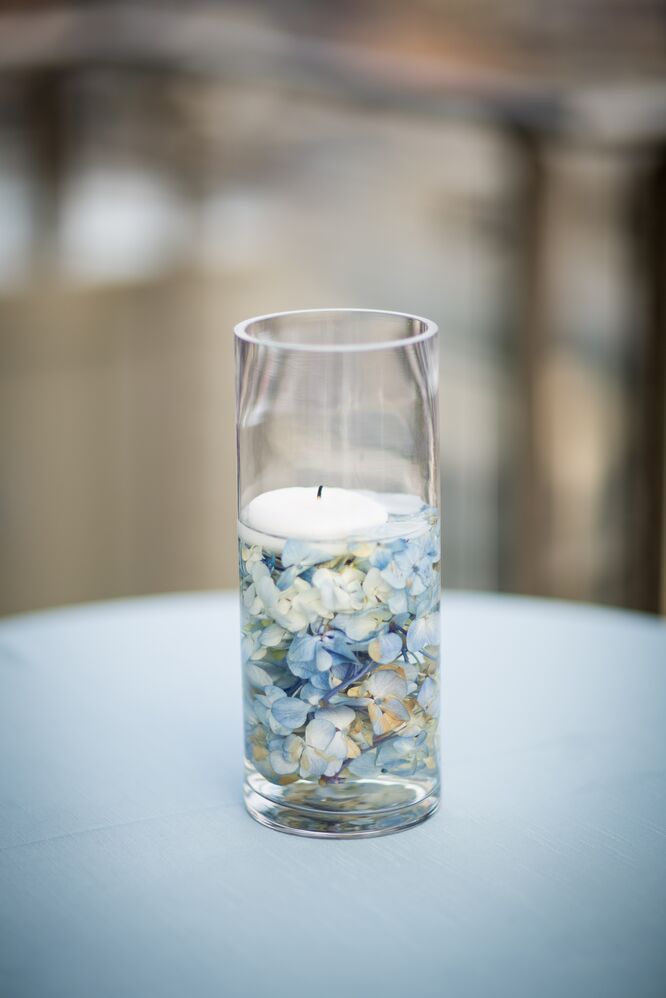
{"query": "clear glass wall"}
(339, 564)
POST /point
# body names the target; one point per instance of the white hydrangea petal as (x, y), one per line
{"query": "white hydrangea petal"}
(272, 635)
(259, 571)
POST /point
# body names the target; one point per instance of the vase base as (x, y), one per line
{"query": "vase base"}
(315, 823)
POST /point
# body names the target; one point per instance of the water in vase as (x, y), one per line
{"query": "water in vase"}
(340, 651)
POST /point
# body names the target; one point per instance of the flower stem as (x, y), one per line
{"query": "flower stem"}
(341, 687)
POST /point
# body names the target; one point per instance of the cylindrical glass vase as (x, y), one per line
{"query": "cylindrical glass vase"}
(339, 555)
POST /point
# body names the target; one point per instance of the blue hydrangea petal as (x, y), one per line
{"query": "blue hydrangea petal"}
(285, 754)
(337, 748)
(312, 764)
(397, 708)
(423, 632)
(319, 734)
(301, 656)
(336, 642)
(428, 697)
(302, 553)
(364, 625)
(290, 712)
(258, 676)
(394, 575)
(385, 648)
(271, 694)
(341, 717)
(380, 557)
(323, 660)
(397, 602)
(310, 693)
(365, 764)
(387, 683)
(287, 578)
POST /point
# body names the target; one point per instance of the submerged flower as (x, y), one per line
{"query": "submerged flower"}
(385, 648)
(422, 604)
(303, 554)
(293, 608)
(428, 697)
(340, 591)
(285, 754)
(282, 714)
(258, 676)
(256, 744)
(324, 660)
(310, 654)
(251, 601)
(423, 635)
(327, 745)
(402, 755)
(360, 731)
(251, 555)
(251, 647)
(363, 625)
(340, 658)
(378, 590)
(411, 565)
(387, 710)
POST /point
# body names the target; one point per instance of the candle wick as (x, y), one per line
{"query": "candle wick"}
(319, 491)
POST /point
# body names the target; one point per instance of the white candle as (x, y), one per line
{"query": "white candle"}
(314, 513)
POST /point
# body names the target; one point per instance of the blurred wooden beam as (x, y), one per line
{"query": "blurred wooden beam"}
(652, 427)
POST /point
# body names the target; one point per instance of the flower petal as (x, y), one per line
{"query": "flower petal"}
(341, 717)
(423, 633)
(386, 683)
(319, 734)
(359, 626)
(302, 553)
(365, 764)
(302, 654)
(281, 765)
(312, 764)
(428, 697)
(272, 635)
(258, 676)
(290, 712)
(385, 648)
(271, 694)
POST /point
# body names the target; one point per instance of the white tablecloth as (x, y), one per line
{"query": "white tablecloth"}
(128, 866)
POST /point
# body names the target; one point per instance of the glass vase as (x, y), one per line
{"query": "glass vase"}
(339, 557)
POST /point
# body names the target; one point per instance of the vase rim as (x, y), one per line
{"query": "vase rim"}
(428, 329)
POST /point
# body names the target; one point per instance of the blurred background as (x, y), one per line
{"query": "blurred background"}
(169, 169)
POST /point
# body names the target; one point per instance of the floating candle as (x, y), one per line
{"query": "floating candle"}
(314, 514)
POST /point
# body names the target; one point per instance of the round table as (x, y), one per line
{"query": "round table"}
(128, 866)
